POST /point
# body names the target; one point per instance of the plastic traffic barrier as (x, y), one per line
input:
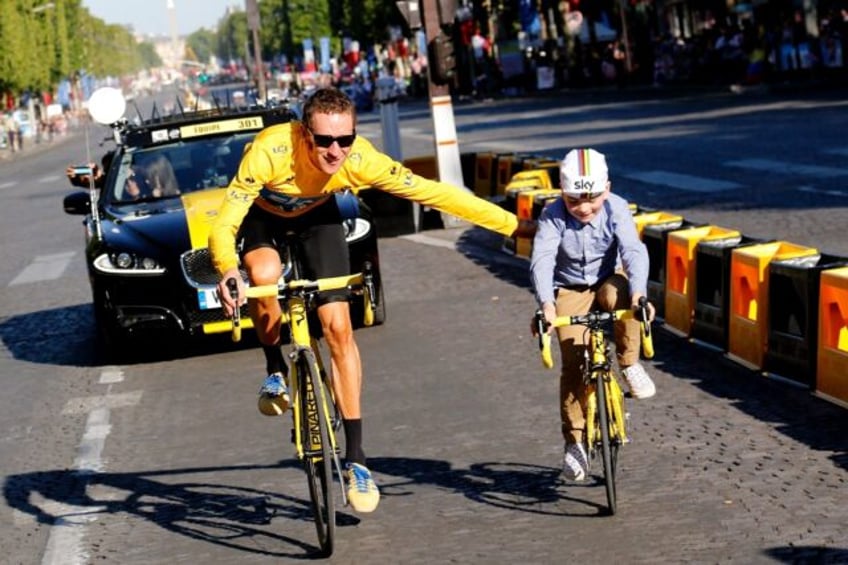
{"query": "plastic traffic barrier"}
(832, 349)
(793, 315)
(749, 286)
(656, 217)
(712, 282)
(680, 272)
(655, 237)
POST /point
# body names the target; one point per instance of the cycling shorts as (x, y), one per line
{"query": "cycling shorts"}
(324, 251)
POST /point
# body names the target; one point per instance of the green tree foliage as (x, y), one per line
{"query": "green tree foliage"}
(44, 41)
(202, 43)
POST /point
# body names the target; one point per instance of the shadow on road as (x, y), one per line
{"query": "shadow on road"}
(231, 516)
(66, 336)
(513, 486)
(806, 554)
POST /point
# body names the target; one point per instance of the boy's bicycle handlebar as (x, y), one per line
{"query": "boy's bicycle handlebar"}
(594, 320)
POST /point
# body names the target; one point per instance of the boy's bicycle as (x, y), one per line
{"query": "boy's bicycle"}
(315, 417)
(606, 419)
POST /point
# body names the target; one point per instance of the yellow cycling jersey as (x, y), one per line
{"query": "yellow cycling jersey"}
(277, 173)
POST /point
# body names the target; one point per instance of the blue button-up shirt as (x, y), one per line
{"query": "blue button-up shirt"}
(567, 252)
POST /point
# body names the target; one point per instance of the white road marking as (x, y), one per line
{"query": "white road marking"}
(828, 192)
(49, 178)
(787, 168)
(427, 240)
(83, 405)
(64, 546)
(44, 268)
(65, 543)
(90, 449)
(682, 182)
(7, 184)
(111, 375)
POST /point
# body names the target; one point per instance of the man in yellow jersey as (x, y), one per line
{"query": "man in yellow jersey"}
(285, 182)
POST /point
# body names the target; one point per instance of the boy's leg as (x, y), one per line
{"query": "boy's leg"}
(572, 390)
(614, 294)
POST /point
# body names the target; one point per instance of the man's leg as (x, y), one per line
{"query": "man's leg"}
(263, 267)
(362, 491)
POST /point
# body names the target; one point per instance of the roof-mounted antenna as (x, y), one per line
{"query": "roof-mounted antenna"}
(138, 111)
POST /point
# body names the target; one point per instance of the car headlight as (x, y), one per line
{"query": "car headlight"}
(125, 263)
(356, 229)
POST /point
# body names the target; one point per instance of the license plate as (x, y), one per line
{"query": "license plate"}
(208, 298)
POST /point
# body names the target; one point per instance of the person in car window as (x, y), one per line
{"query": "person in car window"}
(285, 181)
(160, 175)
(136, 185)
(99, 172)
(587, 253)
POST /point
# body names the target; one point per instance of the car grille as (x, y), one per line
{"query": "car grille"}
(198, 269)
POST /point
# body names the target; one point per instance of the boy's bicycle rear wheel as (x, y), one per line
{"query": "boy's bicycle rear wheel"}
(609, 451)
(318, 451)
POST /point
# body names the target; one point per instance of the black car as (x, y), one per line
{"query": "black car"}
(143, 235)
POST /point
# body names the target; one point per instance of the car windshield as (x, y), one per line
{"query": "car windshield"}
(165, 171)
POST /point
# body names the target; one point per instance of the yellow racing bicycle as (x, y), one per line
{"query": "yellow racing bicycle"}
(606, 420)
(315, 416)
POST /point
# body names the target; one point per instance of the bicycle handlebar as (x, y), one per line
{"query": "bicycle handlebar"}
(232, 287)
(302, 286)
(594, 320)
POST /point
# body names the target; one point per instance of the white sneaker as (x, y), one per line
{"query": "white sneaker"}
(575, 464)
(641, 385)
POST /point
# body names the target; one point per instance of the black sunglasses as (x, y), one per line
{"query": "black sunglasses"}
(326, 141)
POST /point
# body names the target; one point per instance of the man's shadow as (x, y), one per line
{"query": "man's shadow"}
(238, 517)
(231, 516)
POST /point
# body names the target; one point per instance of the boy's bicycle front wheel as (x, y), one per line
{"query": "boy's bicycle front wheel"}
(609, 451)
(318, 450)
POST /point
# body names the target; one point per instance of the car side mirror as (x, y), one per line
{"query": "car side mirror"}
(77, 203)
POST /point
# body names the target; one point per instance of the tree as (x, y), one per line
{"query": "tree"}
(203, 43)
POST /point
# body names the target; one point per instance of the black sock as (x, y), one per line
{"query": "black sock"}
(353, 441)
(274, 362)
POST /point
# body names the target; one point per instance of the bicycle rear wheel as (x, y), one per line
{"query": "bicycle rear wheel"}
(609, 452)
(318, 450)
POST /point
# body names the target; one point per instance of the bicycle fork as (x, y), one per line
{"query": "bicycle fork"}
(597, 360)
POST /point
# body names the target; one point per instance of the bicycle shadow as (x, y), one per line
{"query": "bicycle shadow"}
(230, 516)
(520, 487)
(808, 554)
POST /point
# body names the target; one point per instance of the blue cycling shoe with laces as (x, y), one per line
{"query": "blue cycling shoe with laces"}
(274, 395)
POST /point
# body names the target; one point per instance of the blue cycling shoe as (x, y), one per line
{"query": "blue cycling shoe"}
(274, 395)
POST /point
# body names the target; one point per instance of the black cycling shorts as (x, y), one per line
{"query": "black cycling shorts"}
(324, 251)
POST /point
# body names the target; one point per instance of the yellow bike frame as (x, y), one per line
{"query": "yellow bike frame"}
(295, 315)
(598, 360)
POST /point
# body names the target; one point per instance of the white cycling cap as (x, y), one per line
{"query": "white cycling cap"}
(583, 173)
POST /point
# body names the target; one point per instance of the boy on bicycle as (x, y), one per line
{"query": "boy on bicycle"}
(587, 254)
(285, 182)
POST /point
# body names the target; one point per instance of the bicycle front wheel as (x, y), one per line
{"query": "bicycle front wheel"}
(317, 449)
(609, 452)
